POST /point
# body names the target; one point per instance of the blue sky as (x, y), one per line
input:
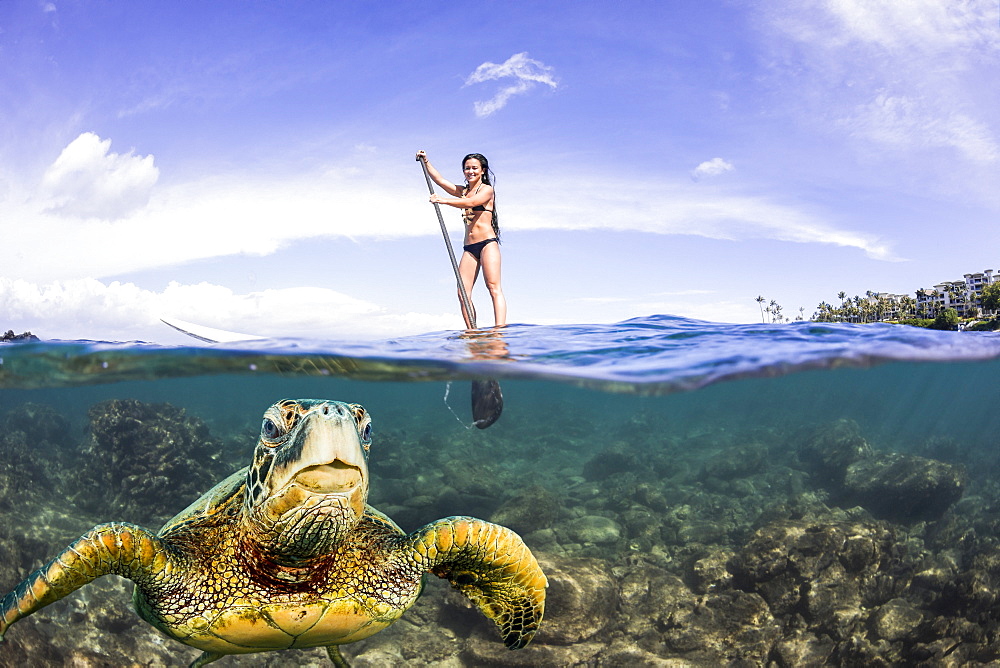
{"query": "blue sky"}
(249, 166)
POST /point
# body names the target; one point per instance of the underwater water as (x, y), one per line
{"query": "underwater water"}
(696, 493)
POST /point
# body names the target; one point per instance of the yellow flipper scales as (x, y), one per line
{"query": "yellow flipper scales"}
(491, 566)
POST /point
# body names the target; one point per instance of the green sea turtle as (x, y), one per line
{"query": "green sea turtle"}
(287, 554)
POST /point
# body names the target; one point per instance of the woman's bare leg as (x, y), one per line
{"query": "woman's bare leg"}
(468, 269)
(490, 262)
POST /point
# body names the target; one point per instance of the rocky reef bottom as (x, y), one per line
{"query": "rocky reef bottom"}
(803, 546)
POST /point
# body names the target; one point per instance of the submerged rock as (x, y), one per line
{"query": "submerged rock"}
(827, 451)
(736, 463)
(593, 529)
(711, 572)
(826, 572)
(730, 628)
(904, 488)
(896, 620)
(802, 648)
(534, 509)
(581, 600)
(619, 458)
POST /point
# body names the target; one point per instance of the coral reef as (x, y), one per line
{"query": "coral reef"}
(148, 461)
(809, 546)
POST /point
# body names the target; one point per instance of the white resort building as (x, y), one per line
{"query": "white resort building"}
(963, 296)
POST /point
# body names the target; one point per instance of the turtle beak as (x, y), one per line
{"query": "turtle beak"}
(324, 457)
(331, 462)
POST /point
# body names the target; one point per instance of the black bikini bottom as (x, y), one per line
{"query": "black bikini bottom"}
(476, 249)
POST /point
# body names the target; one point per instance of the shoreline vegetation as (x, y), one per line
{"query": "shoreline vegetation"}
(982, 313)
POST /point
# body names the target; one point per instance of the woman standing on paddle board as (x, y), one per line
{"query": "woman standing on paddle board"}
(482, 233)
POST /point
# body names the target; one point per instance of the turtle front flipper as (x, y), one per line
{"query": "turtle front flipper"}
(122, 549)
(492, 566)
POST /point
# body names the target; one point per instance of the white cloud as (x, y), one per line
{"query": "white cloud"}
(244, 213)
(526, 71)
(712, 167)
(672, 208)
(907, 76)
(88, 181)
(211, 217)
(88, 308)
(903, 122)
(925, 25)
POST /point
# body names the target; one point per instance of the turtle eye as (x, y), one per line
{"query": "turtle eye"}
(269, 430)
(366, 433)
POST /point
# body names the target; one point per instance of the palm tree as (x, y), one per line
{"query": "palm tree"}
(775, 309)
(760, 302)
(991, 297)
(884, 307)
(907, 308)
(858, 312)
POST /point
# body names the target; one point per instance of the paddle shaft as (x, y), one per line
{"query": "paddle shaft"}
(466, 302)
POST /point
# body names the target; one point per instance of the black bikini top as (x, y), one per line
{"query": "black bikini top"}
(480, 207)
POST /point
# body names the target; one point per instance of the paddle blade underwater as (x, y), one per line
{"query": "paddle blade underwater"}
(487, 402)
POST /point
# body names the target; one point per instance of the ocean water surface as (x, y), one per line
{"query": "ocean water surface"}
(697, 493)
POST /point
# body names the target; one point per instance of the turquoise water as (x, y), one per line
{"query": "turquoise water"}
(644, 417)
(891, 379)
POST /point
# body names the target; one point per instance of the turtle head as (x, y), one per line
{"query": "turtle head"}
(308, 484)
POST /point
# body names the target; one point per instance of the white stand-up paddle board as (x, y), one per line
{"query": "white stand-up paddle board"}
(208, 334)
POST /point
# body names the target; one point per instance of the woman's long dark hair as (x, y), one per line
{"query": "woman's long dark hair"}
(488, 181)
